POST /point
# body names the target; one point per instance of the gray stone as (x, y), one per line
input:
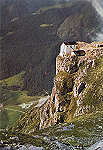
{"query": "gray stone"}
(97, 146)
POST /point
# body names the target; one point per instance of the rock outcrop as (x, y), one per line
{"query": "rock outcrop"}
(75, 92)
(78, 90)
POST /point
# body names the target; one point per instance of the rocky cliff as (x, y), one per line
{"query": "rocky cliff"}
(77, 85)
(78, 89)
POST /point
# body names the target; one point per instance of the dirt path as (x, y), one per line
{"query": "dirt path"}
(42, 101)
(14, 110)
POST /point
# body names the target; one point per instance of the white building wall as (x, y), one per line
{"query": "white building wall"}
(66, 49)
(62, 49)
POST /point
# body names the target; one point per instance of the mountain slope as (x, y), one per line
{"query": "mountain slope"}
(31, 43)
(72, 115)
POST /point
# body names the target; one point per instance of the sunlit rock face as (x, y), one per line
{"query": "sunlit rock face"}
(75, 85)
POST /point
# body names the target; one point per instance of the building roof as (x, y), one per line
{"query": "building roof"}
(70, 43)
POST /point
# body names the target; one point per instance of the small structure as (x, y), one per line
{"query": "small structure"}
(67, 48)
(97, 44)
(80, 52)
(100, 45)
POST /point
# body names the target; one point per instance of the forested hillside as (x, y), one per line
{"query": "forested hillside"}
(31, 42)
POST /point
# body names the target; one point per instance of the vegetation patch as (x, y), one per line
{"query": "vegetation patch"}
(12, 99)
(94, 78)
(82, 131)
(65, 4)
(14, 80)
(28, 122)
(46, 25)
(10, 33)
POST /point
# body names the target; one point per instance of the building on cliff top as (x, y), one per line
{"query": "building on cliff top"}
(67, 48)
(97, 44)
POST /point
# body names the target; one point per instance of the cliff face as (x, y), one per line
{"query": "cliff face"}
(77, 85)
(77, 90)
